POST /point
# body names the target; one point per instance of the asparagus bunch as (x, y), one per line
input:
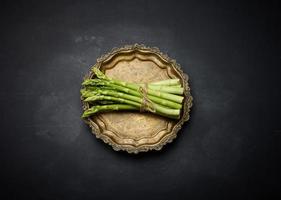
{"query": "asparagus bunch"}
(106, 94)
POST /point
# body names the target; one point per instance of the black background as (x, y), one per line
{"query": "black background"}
(229, 149)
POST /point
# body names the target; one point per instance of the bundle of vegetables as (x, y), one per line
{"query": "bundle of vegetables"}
(106, 94)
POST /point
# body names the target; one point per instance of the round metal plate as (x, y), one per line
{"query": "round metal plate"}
(134, 131)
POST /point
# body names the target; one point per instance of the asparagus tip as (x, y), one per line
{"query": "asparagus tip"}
(98, 73)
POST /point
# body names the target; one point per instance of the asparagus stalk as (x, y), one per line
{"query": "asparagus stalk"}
(105, 94)
(114, 107)
(133, 89)
(168, 82)
(105, 102)
(108, 92)
(161, 94)
(133, 95)
(164, 95)
(110, 98)
(106, 108)
(168, 89)
(125, 98)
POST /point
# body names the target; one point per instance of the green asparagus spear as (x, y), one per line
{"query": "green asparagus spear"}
(125, 98)
(168, 82)
(114, 107)
(168, 89)
(164, 95)
(106, 108)
(132, 95)
(159, 100)
(110, 98)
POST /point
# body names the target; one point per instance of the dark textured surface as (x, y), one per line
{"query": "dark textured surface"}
(229, 149)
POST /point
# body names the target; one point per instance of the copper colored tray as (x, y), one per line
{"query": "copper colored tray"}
(133, 131)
